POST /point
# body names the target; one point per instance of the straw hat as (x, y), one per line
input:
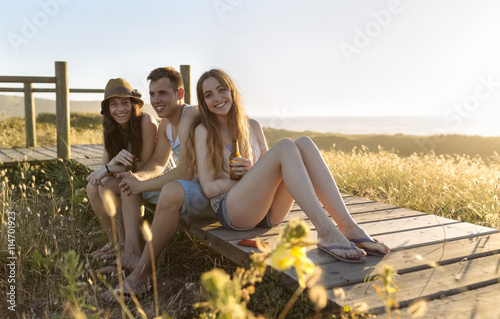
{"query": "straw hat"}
(120, 88)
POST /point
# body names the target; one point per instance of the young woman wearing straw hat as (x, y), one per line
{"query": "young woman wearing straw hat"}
(129, 141)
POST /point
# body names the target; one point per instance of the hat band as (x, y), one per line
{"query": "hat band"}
(117, 90)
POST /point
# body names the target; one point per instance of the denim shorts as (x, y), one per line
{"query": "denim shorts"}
(196, 204)
(224, 218)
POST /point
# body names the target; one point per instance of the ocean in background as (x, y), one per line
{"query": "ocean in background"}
(355, 125)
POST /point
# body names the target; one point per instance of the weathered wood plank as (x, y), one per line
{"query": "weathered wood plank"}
(337, 274)
(414, 223)
(4, 157)
(376, 215)
(15, 155)
(48, 152)
(480, 303)
(98, 149)
(224, 238)
(34, 153)
(429, 283)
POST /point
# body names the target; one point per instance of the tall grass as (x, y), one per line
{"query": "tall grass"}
(85, 128)
(53, 217)
(459, 187)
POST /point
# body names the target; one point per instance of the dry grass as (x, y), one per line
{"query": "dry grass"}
(459, 187)
(85, 128)
(54, 217)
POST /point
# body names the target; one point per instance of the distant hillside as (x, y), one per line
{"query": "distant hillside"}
(86, 128)
(403, 145)
(13, 106)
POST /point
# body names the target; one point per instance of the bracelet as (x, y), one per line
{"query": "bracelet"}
(106, 165)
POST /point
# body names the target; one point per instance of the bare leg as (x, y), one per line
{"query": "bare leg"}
(99, 210)
(249, 200)
(329, 194)
(163, 228)
(111, 184)
(132, 218)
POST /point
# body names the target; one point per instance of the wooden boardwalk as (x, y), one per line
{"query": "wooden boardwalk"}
(89, 155)
(455, 266)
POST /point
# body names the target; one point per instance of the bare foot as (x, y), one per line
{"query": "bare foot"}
(131, 286)
(126, 263)
(129, 261)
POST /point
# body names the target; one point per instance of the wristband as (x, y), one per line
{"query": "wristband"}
(106, 165)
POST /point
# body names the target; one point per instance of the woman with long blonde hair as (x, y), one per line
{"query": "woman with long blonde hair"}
(271, 179)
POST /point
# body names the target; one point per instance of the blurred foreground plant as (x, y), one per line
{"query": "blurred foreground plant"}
(228, 297)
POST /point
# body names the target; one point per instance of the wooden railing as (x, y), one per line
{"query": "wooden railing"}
(62, 102)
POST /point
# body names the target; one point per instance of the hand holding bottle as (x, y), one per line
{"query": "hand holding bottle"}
(238, 166)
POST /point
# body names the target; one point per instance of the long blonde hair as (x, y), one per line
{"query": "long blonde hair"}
(238, 120)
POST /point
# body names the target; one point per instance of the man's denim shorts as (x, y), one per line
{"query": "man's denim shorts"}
(196, 204)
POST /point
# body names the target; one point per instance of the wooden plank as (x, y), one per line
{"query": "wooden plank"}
(91, 147)
(77, 154)
(87, 152)
(51, 152)
(429, 283)
(338, 274)
(23, 79)
(414, 223)
(478, 303)
(202, 226)
(222, 237)
(62, 110)
(91, 163)
(35, 154)
(16, 155)
(4, 157)
(29, 115)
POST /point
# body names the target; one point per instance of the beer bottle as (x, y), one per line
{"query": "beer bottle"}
(235, 152)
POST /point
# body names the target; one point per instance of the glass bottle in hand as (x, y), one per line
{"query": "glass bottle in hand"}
(235, 152)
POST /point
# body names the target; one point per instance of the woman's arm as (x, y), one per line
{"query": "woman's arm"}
(211, 187)
(108, 167)
(259, 134)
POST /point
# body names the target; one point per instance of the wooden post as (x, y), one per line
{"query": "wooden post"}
(186, 77)
(29, 115)
(62, 110)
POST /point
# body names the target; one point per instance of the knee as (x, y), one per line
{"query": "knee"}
(303, 141)
(171, 195)
(92, 191)
(287, 147)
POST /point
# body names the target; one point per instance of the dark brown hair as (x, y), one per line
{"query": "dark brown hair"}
(116, 138)
(167, 72)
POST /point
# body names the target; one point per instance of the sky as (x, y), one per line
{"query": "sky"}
(288, 58)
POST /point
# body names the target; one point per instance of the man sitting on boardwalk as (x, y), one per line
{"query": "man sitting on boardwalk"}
(177, 196)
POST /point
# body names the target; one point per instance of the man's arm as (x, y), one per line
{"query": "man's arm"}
(157, 162)
(136, 186)
(140, 181)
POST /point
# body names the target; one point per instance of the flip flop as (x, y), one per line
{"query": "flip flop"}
(110, 253)
(101, 250)
(328, 250)
(369, 251)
